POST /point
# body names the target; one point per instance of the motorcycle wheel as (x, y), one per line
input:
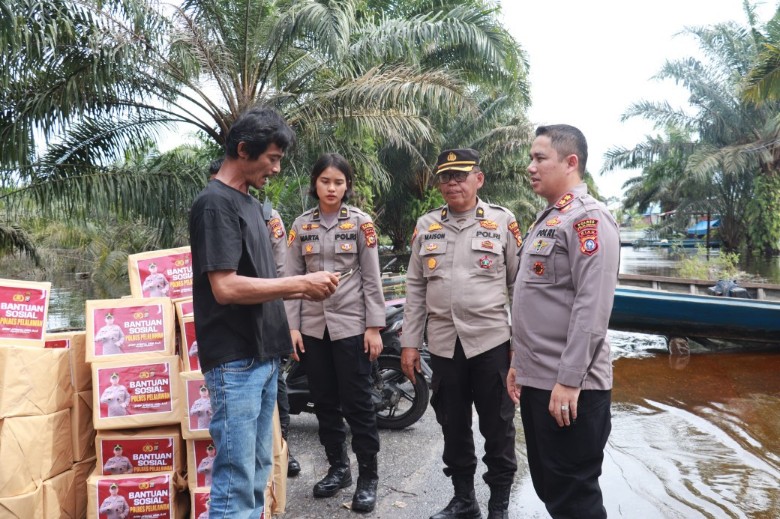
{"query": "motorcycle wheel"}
(414, 397)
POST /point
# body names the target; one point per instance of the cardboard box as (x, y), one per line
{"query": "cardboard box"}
(82, 429)
(82, 471)
(34, 381)
(161, 273)
(157, 449)
(59, 496)
(24, 308)
(151, 496)
(34, 448)
(199, 503)
(184, 308)
(76, 342)
(136, 393)
(24, 506)
(119, 328)
(196, 415)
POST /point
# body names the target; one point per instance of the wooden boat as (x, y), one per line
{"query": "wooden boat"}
(695, 316)
(686, 243)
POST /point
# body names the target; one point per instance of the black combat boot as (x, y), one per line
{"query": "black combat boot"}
(338, 476)
(364, 499)
(498, 505)
(464, 505)
(293, 467)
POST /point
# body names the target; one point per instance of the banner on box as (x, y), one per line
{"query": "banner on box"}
(134, 390)
(199, 405)
(148, 497)
(131, 329)
(135, 456)
(166, 275)
(23, 312)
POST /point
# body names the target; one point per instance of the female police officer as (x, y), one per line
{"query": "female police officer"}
(337, 339)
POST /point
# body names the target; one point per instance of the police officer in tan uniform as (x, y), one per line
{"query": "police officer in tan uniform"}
(111, 337)
(338, 339)
(114, 506)
(117, 464)
(460, 276)
(201, 408)
(206, 464)
(116, 397)
(561, 372)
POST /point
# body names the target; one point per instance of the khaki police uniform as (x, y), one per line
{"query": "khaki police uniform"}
(563, 299)
(333, 330)
(278, 237)
(156, 285)
(112, 338)
(201, 408)
(114, 507)
(115, 397)
(460, 276)
(205, 467)
(118, 465)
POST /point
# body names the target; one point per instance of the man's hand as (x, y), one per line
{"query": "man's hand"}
(297, 340)
(372, 343)
(320, 285)
(410, 363)
(563, 404)
(512, 387)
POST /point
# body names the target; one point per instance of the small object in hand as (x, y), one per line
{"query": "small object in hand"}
(346, 274)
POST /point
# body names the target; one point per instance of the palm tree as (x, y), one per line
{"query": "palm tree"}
(731, 157)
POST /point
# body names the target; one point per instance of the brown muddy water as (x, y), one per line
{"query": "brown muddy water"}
(695, 437)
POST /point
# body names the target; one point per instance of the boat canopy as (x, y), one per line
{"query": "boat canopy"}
(700, 229)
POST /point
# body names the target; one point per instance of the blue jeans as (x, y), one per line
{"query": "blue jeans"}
(243, 394)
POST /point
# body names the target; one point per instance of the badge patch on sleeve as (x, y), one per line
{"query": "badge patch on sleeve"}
(275, 224)
(588, 233)
(515, 230)
(291, 237)
(370, 233)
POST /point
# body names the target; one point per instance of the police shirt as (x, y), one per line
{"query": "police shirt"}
(278, 237)
(563, 295)
(461, 277)
(350, 242)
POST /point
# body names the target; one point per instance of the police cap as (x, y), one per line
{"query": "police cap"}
(463, 159)
(117, 447)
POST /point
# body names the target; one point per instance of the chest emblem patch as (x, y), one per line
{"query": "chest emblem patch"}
(434, 227)
(432, 263)
(488, 224)
(485, 262)
(346, 246)
(346, 226)
(309, 248)
(539, 268)
(552, 222)
(539, 245)
(431, 246)
(488, 244)
(310, 226)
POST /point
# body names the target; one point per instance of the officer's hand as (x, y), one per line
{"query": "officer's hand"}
(372, 343)
(320, 285)
(563, 404)
(512, 387)
(410, 363)
(297, 341)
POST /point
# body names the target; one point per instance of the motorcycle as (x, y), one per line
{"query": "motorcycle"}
(398, 402)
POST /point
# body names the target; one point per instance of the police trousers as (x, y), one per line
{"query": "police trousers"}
(565, 462)
(458, 383)
(339, 374)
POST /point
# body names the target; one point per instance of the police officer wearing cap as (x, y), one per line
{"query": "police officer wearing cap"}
(561, 371)
(117, 464)
(460, 277)
(336, 340)
(114, 506)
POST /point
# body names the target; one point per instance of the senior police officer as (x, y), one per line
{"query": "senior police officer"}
(118, 463)
(561, 372)
(114, 506)
(466, 243)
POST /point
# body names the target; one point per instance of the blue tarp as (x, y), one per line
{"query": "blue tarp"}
(700, 229)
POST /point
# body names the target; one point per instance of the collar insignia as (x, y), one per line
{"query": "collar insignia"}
(564, 201)
(480, 212)
(343, 213)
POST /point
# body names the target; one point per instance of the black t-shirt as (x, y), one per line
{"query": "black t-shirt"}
(227, 232)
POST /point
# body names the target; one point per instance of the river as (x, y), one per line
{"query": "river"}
(692, 437)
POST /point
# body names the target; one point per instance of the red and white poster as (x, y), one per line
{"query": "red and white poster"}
(134, 390)
(128, 330)
(23, 310)
(135, 497)
(137, 456)
(166, 273)
(191, 345)
(198, 405)
(200, 504)
(205, 452)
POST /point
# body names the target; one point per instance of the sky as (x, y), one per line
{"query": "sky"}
(591, 59)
